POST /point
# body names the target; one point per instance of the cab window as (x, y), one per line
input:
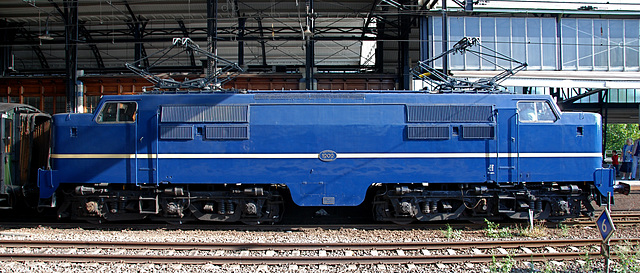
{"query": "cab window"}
(535, 111)
(118, 112)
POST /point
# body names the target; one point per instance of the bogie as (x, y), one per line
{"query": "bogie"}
(174, 205)
(408, 203)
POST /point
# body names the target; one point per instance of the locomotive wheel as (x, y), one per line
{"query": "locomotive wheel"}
(402, 221)
(95, 221)
(175, 222)
(251, 223)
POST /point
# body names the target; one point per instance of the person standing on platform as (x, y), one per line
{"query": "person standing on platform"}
(626, 159)
(615, 162)
(635, 150)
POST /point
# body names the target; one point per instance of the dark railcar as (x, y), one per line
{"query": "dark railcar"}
(24, 138)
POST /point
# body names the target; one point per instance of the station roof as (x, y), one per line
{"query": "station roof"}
(272, 33)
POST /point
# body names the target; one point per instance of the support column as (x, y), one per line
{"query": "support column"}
(262, 42)
(445, 39)
(241, 28)
(310, 48)
(380, 25)
(71, 52)
(5, 51)
(137, 51)
(425, 31)
(603, 100)
(404, 65)
(212, 34)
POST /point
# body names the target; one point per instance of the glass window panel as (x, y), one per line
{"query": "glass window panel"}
(600, 40)
(585, 44)
(503, 43)
(488, 39)
(549, 47)
(61, 104)
(456, 32)
(545, 114)
(48, 105)
(631, 29)
(91, 102)
(614, 95)
(534, 60)
(636, 95)
(472, 29)
(33, 101)
(616, 34)
(569, 41)
(526, 111)
(623, 94)
(518, 39)
(630, 95)
(120, 112)
(437, 40)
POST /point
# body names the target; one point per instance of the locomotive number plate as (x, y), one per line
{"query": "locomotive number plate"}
(327, 155)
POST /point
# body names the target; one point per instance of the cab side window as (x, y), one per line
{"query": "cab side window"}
(118, 112)
(536, 111)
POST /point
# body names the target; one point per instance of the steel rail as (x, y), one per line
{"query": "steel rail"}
(274, 259)
(299, 260)
(309, 246)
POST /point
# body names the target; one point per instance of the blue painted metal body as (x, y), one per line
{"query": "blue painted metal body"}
(327, 148)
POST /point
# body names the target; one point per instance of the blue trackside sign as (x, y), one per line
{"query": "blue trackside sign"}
(605, 225)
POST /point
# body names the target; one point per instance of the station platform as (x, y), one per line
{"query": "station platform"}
(633, 184)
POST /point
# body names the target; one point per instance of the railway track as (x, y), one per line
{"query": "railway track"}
(409, 253)
(618, 219)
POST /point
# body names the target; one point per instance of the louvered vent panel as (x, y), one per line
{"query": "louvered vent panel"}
(226, 113)
(227, 132)
(305, 96)
(181, 114)
(194, 114)
(471, 113)
(478, 132)
(176, 132)
(428, 132)
(449, 113)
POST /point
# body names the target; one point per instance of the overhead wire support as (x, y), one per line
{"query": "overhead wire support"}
(440, 82)
(213, 81)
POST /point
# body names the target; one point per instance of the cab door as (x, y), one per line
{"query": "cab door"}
(146, 147)
(534, 133)
(507, 147)
(503, 162)
(128, 142)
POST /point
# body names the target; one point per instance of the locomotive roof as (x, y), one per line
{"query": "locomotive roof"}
(304, 95)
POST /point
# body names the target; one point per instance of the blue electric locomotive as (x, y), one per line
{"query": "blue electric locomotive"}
(235, 156)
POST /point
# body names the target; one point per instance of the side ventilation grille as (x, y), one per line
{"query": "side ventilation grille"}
(478, 132)
(428, 132)
(176, 132)
(227, 132)
(199, 114)
(449, 113)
